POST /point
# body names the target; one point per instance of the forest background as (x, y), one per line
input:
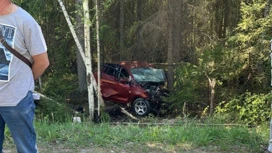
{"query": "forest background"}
(216, 52)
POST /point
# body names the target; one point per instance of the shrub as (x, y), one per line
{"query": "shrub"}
(189, 90)
(248, 108)
(60, 85)
(50, 110)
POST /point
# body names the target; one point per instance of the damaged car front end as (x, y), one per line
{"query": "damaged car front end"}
(137, 85)
(153, 81)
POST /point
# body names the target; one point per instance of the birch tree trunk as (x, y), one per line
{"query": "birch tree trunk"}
(88, 58)
(91, 83)
(100, 101)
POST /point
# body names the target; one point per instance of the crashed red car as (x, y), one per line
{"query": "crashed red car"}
(137, 85)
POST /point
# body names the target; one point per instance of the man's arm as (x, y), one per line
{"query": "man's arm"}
(40, 63)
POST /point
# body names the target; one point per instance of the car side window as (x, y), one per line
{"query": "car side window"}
(109, 70)
(123, 74)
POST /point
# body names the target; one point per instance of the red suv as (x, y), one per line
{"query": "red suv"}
(137, 85)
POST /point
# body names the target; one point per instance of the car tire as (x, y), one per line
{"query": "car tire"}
(141, 107)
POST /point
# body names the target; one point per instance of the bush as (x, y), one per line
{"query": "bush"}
(60, 85)
(248, 108)
(189, 90)
(49, 110)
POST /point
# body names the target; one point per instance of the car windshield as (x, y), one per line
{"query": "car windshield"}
(148, 75)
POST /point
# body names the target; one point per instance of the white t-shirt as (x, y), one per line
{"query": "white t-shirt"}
(24, 34)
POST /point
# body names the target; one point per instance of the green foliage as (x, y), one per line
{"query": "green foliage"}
(53, 111)
(239, 63)
(248, 108)
(192, 81)
(250, 45)
(189, 87)
(60, 86)
(32, 6)
(229, 41)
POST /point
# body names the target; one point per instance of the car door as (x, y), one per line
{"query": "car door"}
(108, 81)
(122, 86)
(113, 86)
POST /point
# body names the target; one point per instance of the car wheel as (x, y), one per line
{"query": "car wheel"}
(141, 107)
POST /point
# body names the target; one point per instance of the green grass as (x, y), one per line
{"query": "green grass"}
(180, 138)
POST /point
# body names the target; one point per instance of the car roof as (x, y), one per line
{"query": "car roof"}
(132, 64)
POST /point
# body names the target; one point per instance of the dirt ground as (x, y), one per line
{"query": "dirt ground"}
(130, 148)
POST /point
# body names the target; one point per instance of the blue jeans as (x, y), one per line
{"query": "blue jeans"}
(19, 120)
(270, 138)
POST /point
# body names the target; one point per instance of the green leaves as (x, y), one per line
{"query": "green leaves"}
(248, 108)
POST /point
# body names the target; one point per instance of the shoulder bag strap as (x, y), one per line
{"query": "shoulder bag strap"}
(13, 51)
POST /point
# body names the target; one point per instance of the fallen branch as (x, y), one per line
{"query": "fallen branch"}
(128, 114)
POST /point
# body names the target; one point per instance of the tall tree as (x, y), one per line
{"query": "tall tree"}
(121, 30)
(81, 69)
(174, 38)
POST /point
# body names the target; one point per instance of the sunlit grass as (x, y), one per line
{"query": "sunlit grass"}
(163, 138)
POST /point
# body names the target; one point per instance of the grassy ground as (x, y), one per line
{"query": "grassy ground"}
(183, 137)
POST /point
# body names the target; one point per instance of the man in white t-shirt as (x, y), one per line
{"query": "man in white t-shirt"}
(17, 107)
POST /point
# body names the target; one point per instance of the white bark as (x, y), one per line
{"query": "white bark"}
(91, 83)
(88, 58)
(72, 29)
(99, 95)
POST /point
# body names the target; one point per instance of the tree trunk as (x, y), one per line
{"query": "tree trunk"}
(178, 55)
(170, 50)
(90, 80)
(212, 86)
(100, 101)
(81, 69)
(267, 8)
(226, 19)
(122, 20)
(139, 18)
(174, 38)
(212, 83)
